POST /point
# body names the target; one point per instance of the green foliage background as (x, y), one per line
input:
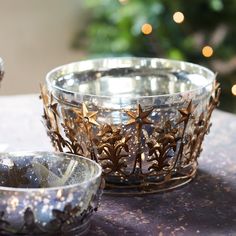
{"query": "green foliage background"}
(114, 29)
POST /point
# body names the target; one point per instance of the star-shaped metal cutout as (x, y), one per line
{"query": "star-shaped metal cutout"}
(139, 117)
(186, 112)
(89, 117)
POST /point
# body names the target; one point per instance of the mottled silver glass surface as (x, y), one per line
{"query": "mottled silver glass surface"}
(44, 193)
(143, 100)
(122, 83)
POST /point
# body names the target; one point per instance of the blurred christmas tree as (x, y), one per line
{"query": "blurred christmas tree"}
(199, 31)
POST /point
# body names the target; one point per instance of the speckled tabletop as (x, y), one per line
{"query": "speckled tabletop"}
(206, 206)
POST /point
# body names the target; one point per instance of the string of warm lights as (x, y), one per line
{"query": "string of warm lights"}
(178, 18)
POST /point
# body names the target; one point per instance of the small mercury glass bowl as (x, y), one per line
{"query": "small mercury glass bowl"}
(44, 193)
(142, 119)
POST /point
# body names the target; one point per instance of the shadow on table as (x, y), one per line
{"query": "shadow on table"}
(209, 202)
(206, 204)
(101, 226)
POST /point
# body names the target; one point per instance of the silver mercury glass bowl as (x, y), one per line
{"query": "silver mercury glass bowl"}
(44, 193)
(142, 119)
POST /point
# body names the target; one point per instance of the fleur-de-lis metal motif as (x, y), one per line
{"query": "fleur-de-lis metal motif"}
(139, 118)
(113, 149)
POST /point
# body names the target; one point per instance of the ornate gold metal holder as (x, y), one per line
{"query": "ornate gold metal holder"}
(143, 120)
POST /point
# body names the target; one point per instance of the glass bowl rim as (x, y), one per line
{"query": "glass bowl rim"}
(16, 153)
(211, 74)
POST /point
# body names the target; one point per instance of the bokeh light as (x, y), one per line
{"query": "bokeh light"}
(178, 17)
(146, 28)
(233, 90)
(207, 51)
(123, 1)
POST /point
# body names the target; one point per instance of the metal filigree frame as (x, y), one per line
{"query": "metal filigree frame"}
(172, 153)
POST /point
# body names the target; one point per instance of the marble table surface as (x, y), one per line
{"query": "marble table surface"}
(206, 206)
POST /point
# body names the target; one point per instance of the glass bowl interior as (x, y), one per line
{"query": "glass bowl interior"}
(37, 170)
(129, 77)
